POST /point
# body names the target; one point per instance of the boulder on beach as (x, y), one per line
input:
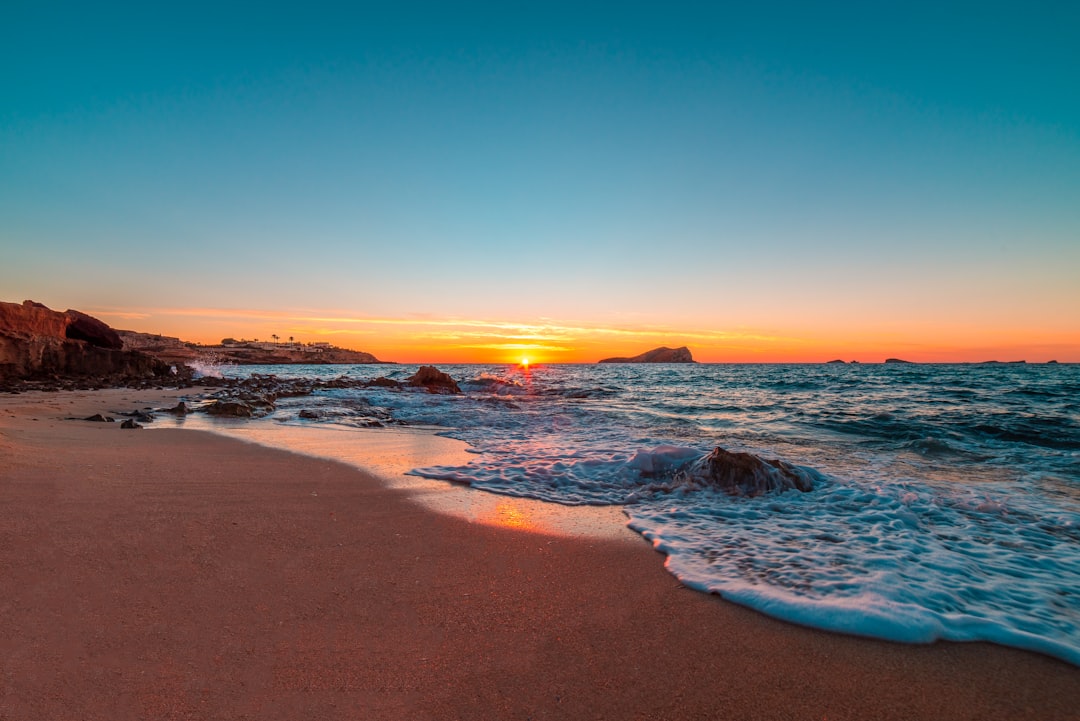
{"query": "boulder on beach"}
(98, 418)
(130, 423)
(657, 355)
(744, 474)
(434, 380)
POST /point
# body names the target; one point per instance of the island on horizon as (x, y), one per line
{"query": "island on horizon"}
(662, 354)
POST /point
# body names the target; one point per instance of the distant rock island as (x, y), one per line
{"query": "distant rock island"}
(897, 360)
(244, 352)
(657, 355)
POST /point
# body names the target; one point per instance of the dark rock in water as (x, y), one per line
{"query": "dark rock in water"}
(897, 360)
(1051, 362)
(434, 380)
(98, 418)
(129, 423)
(383, 382)
(233, 409)
(310, 414)
(180, 409)
(744, 474)
(836, 361)
(657, 355)
(140, 416)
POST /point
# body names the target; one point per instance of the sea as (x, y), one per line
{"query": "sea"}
(945, 503)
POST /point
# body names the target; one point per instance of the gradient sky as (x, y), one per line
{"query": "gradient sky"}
(441, 181)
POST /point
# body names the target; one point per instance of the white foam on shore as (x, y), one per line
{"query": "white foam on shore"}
(903, 564)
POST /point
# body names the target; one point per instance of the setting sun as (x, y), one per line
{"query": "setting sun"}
(524, 363)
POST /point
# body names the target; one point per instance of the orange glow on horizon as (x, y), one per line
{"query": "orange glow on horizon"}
(526, 344)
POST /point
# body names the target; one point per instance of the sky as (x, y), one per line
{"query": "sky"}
(761, 182)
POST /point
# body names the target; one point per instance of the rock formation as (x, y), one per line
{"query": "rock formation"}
(744, 474)
(657, 355)
(383, 382)
(897, 360)
(37, 342)
(434, 380)
(234, 352)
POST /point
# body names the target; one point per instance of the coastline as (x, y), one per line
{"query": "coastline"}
(182, 574)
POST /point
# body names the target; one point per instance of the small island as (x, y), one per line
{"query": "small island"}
(657, 355)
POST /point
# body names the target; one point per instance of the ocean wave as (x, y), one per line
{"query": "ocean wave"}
(938, 506)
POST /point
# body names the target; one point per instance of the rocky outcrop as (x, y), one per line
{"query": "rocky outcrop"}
(233, 352)
(897, 360)
(657, 355)
(36, 342)
(88, 328)
(166, 348)
(434, 380)
(744, 474)
(383, 382)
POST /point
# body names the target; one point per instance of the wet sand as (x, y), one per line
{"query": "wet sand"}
(179, 574)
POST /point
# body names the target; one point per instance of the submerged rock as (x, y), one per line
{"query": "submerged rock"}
(744, 474)
(383, 382)
(310, 414)
(130, 423)
(434, 380)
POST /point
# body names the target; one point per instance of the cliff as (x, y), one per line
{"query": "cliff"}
(657, 355)
(38, 342)
(174, 350)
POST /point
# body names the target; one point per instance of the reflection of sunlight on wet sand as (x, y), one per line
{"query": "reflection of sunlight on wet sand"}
(510, 515)
(390, 452)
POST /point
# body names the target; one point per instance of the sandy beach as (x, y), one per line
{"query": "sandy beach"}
(179, 574)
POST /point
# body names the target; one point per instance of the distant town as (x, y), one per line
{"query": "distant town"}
(242, 351)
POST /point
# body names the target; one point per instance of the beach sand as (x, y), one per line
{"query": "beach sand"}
(179, 574)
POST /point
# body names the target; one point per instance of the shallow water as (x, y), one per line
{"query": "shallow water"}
(947, 503)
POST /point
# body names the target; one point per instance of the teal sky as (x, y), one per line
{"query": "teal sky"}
(840, 174)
